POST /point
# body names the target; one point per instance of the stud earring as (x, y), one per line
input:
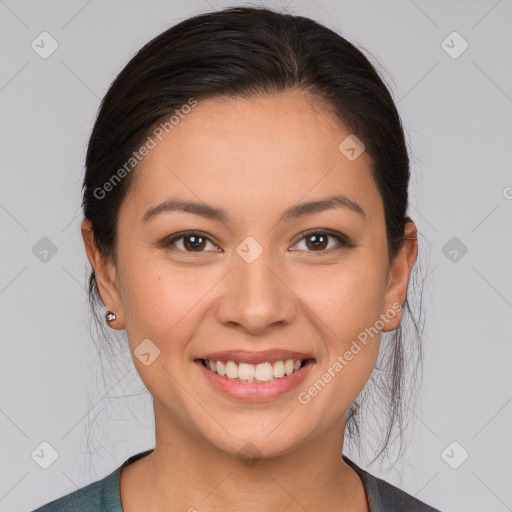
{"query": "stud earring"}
(109, 317)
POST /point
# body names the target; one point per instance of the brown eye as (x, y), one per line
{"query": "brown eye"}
(194, 243)
(318, 241)
(189, 242)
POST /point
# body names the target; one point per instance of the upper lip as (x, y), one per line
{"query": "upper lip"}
(252, 357)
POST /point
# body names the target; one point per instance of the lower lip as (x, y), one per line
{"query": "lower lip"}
(256, 391)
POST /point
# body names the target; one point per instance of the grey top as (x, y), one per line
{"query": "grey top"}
(103, 495)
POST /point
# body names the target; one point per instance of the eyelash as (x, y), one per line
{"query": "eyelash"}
(343, 242)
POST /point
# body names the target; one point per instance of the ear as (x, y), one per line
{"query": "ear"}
(106, 276)
(398, 278)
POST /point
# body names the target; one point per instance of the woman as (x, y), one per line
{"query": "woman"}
(245, 207)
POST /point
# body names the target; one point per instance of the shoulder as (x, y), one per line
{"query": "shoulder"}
(99, 496)
(384, 497)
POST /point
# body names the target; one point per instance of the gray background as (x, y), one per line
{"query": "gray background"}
(457, 114)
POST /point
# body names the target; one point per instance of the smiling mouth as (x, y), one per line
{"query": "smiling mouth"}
(255, 373)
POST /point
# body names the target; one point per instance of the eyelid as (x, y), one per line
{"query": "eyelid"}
(168, 243)
(343, 240)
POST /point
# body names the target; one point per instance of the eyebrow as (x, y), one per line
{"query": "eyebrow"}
(210, 212)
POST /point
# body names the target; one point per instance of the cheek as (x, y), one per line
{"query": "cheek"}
(164, 303)
(351, 350)
(347, 297)
(346, 302)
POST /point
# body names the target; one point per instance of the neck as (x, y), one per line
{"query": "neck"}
(185, 472)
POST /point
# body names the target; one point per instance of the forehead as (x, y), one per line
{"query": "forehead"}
(268, 150)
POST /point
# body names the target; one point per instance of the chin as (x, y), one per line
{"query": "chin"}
(249, 446)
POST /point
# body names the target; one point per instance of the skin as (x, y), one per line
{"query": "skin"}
(254, 158)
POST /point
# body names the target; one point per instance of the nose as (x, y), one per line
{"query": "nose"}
(256, 298)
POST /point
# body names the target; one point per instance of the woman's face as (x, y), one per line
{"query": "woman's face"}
(248, 280)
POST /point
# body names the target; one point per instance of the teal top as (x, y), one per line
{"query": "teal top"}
(103, 495)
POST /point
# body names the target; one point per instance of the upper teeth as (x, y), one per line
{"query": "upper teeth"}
(262, 372)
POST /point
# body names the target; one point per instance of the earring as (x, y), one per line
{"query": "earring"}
(109, 317)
